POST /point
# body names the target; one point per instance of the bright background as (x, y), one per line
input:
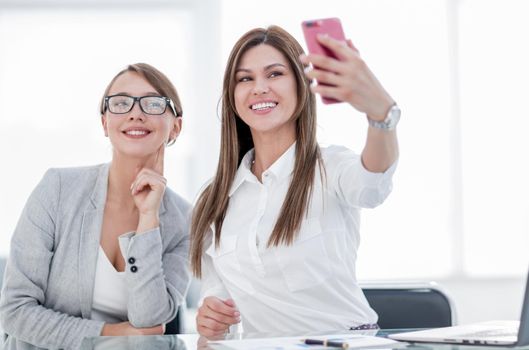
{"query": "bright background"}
(459, 213)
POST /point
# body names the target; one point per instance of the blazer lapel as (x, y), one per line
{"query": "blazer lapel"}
(90, 238)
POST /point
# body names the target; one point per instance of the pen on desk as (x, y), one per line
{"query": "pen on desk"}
(327, 343)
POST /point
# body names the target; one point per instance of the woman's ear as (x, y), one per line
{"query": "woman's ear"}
(104, 123)
(175, 131)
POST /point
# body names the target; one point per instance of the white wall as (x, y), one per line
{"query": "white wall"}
(479, 300)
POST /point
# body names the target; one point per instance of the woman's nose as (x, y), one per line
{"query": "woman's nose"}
(260, 87)
(136, 112)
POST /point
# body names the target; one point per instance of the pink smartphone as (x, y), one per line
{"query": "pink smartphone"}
(329, 26)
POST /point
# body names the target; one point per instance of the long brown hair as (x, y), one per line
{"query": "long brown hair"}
(236, 141)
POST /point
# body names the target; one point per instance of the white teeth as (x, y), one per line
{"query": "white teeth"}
(136, 132)
(264, 105)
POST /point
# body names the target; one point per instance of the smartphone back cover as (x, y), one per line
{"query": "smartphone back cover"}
(329, 26)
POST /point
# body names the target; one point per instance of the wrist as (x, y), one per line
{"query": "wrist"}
(389, 122)
(147, 222)
(108, 330)
(381, 111)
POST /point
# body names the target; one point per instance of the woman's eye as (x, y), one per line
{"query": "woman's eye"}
(275, 74)
(120, 103)
(243, 79)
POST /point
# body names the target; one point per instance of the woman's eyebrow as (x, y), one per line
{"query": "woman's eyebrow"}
(144, 94)
(268, 67)
(273, 65)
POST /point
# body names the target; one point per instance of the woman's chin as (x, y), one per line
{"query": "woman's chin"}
(136, 151)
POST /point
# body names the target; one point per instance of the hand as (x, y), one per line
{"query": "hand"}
(215, 317)
(147, 192)
(125, 328)
(203, 342)
(349, 77)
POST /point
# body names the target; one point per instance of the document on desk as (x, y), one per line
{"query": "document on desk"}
(298, 343)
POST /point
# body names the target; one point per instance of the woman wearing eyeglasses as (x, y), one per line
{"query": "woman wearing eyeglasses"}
(102, 250)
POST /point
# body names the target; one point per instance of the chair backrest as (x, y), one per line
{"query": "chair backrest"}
(177, 325)
(418, 305)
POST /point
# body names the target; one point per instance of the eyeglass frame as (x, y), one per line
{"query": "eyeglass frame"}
(168, 101)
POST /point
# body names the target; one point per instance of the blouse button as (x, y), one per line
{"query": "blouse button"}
(133, 269)
(132, 260)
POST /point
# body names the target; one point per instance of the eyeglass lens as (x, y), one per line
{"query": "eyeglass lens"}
(149, 104)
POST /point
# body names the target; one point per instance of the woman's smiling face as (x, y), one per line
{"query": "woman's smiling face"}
(135, 133)
(265, 91)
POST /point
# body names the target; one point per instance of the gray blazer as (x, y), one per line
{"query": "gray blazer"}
(46, 298)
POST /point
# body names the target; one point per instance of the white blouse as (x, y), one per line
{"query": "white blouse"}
(310, 285)
(110, 292)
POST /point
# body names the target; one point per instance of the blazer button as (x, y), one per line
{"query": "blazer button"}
(132, 260)
(133, 269)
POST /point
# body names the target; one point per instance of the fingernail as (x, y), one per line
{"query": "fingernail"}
(323, 35)
(236, 314)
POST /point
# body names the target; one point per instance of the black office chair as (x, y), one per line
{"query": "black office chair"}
(177, 325)
(410, 305)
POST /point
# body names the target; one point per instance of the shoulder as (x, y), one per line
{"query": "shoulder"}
(74, 178)
(76, 174)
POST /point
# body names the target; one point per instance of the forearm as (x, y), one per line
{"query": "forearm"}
(147, 222)
(154, 292)
(381, 150)
(46, 328)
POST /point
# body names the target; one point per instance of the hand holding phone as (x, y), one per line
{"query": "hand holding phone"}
(329, 26)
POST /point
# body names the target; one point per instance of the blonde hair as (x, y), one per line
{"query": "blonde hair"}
(236, 141)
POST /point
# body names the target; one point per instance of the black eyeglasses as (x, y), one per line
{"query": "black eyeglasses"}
(153, 105)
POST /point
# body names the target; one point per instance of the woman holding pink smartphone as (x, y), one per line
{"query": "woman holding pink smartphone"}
(275, 234)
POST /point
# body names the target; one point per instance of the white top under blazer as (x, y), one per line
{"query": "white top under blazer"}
(109, 303)
(310, 285)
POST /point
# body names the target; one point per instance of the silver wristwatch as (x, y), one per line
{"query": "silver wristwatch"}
(391, 120)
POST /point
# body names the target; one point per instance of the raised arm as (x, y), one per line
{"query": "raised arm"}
(349, 79)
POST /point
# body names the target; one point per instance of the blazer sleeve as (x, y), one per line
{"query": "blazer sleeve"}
(22, 313)
(157, 279)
